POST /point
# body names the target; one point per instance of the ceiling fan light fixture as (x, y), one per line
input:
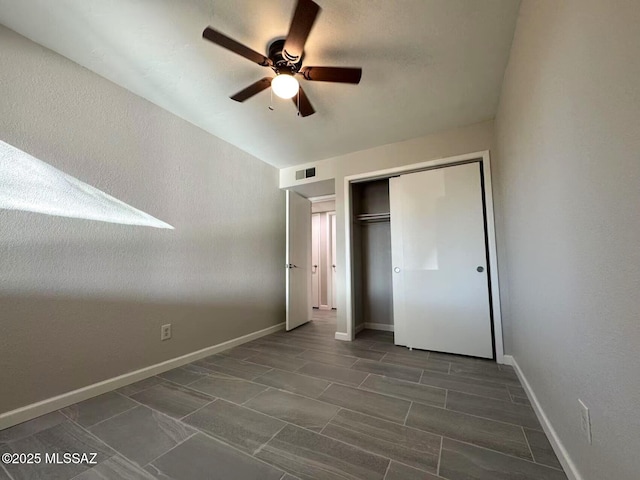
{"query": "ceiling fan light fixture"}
(285, 86)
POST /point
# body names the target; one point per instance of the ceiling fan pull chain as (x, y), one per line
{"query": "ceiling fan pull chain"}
(271, 101)
(298, 103)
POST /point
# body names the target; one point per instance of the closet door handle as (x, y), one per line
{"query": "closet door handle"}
(315, 269)
(397, 269)
(480, 269)
(334, 267)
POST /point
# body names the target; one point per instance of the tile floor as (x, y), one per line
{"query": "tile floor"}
(302, 405)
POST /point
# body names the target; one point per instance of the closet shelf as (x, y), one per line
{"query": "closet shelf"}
(373, 217)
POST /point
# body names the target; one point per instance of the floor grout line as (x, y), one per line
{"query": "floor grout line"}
(526, 440)
(386, 472)
(407, 415)
(440, 456)
(215, 399)
(172, 448)
(93, 435)
(6, 471)
(104, 420)
(365, 379)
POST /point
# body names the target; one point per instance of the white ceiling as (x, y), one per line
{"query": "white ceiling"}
(428, 65)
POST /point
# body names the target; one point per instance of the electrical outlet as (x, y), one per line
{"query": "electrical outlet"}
(585, 421)
(165, 332)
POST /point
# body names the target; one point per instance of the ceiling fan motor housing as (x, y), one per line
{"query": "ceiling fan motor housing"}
(280, 63)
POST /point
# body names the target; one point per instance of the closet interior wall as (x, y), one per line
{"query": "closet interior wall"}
(371, 232)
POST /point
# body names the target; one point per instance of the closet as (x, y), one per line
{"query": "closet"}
(420, 259)
(372, 255)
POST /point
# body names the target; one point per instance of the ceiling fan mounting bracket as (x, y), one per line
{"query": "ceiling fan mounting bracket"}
(281, 64)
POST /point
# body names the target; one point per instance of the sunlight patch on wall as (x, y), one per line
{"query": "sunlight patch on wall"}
(32, 185)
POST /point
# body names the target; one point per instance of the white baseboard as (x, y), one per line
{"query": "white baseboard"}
(570, 468)
(28, 412)
(385, 327)
(344, 337)
(359, 328)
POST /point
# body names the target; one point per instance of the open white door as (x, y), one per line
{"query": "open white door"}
(298, 260)
(334, 298)
(440, 283)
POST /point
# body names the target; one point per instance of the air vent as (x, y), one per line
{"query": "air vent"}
(307, 173)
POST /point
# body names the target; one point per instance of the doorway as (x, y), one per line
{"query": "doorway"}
(323, 252)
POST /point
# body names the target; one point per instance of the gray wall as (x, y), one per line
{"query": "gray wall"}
(568, 172)
(83, 301)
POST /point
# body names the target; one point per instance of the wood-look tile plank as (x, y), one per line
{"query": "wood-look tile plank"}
(541, 448)
(185, 375)
(201, 457)
(409, 360)
(171, 399)
(142, 434)
(461, 461)
(401, 372)
(291, 408)
(500, 410)
(390, 440)
(233, 367)
(328, 358)
(98, 408)
(414, 392)
(310, 456)
(236, 390)
(294, 382)
(59, 439)
(31, 427)
(281, 362)
(235, 425)
(398, 471)
(498, 436)
(115, 468)
(374, 404)
(464, 385)
(333, 373)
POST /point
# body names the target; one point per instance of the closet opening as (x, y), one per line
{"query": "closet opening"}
(421, 256)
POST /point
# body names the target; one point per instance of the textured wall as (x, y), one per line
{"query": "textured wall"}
(568, 177)
(82, 301)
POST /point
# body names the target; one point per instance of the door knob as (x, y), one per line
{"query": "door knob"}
(480, 269)
(397, 270)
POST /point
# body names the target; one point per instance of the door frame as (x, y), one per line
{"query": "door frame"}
(494, 291)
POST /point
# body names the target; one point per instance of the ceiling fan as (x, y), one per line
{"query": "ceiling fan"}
(284, 57)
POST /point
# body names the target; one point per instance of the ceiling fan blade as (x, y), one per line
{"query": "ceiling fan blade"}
(230, 44)
(306, 108)
(303, 19)
(252, 89)
(332, 74)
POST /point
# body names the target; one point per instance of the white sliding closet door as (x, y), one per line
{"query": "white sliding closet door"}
(440, 283)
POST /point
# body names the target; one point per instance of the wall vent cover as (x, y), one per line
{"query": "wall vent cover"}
(307, 173)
